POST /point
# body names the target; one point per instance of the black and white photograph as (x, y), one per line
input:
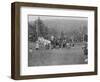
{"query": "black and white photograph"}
(57, 40)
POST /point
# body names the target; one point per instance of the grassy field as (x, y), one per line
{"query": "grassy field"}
(59, 56)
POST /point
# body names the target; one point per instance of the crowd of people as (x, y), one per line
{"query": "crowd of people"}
(53, 43)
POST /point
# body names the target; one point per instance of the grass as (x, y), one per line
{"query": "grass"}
(59, 56)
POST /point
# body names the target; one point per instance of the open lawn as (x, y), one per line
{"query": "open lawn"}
(59, 56)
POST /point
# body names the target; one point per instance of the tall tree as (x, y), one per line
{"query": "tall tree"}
(41, 28)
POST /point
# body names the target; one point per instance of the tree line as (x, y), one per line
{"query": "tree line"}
(39, 29)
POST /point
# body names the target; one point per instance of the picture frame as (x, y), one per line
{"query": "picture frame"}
(22, 12)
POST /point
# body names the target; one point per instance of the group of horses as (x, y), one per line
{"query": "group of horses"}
(53, 43)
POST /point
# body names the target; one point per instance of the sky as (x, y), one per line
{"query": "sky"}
(34, 17)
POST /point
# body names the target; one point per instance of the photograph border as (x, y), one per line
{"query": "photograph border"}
(15, 39)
